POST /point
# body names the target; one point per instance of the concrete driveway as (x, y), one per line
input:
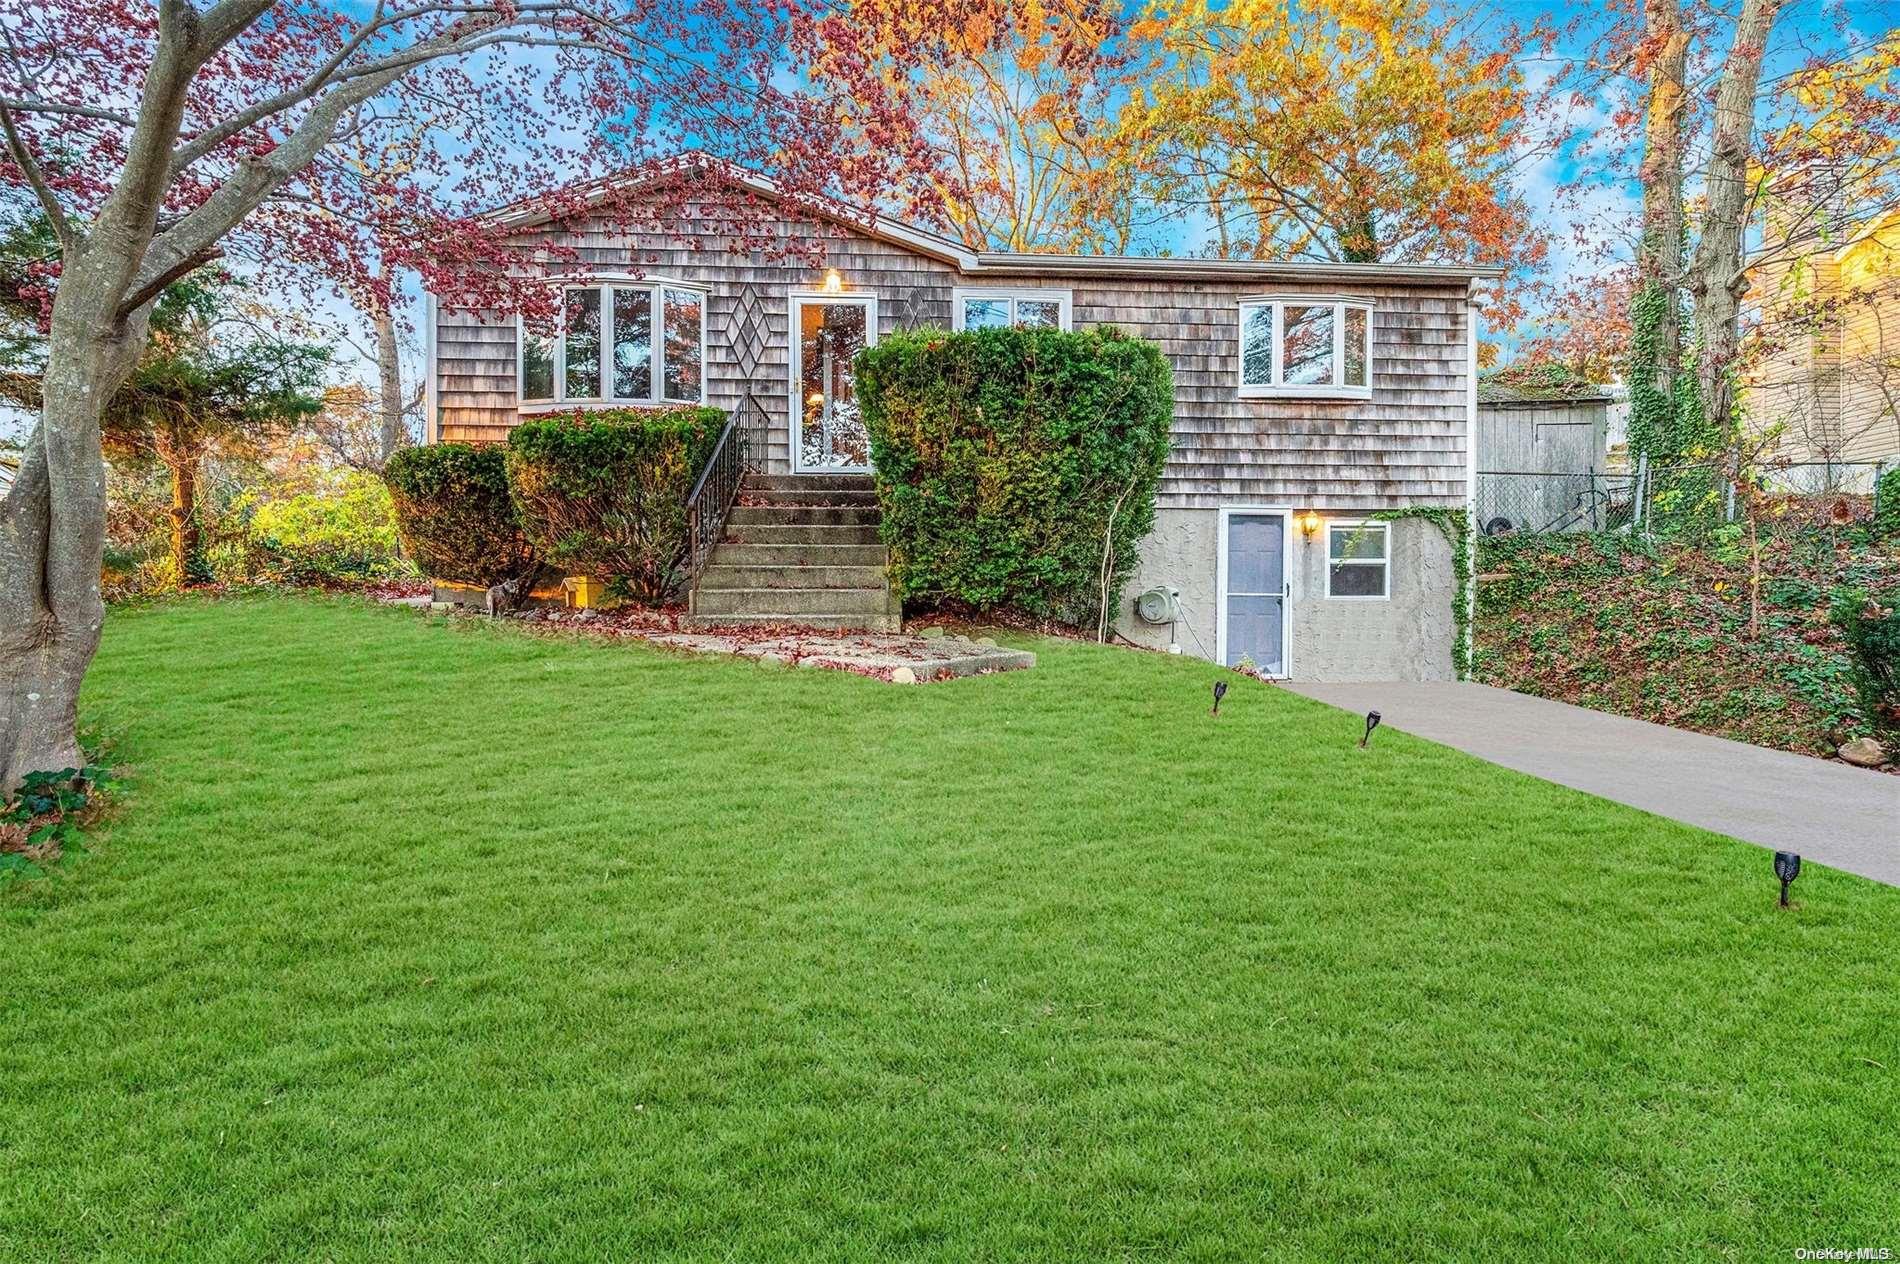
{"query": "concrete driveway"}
(1845, 817)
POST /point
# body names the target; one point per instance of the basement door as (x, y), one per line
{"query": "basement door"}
(1253, 593)
(828, 432)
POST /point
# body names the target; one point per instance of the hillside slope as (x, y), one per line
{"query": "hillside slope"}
(1659, 630)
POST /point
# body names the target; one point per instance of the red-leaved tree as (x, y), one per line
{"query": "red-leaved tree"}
(158, 136)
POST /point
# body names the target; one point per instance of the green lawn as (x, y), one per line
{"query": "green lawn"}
(433, 939)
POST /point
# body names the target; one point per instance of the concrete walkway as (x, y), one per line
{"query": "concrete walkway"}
(1845, 817)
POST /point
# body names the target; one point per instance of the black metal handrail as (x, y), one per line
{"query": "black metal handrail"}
(712, 497)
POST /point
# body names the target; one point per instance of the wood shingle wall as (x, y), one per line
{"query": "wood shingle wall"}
(1404, 446)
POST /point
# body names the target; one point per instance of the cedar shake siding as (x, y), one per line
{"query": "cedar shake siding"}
(1405, 445)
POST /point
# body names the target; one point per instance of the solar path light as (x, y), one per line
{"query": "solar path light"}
(1372, 722)
(1787, 868)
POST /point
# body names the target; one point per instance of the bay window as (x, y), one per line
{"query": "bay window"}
(602, 346)
(1306, 347)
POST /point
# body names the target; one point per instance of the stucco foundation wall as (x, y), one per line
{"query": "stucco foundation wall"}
(1406, 637)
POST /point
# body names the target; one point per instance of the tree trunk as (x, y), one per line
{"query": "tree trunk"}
(41, 658)
(1717, 276)
(1659, 256)
(184, 515)
(52, 529)
(388, 382)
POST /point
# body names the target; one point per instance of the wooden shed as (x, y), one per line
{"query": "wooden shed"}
(1543, 456)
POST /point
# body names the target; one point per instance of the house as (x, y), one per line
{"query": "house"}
(1543, 457)
(1308, 398)
(1830, 319)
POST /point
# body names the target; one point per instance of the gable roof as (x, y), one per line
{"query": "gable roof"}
(924, 241)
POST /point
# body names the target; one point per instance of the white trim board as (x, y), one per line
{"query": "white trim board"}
(431, 413)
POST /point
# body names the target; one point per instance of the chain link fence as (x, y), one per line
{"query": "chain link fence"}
(1512, 501)
(1654, 499)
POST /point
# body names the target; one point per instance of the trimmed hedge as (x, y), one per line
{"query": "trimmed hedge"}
(455, 515)
(1001, 456)
(604, 493)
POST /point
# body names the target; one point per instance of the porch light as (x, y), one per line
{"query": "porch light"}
(834, 284)
(1309, 522)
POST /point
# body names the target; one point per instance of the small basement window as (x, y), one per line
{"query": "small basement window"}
(1002, 309)
(602, 349)
(1306, 346)
(1358, 560)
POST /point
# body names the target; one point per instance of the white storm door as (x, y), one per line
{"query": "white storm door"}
(828, 431)
(1253, 591)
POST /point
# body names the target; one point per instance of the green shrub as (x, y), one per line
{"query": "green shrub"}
(1002, 456)
(1872, 631)
(604, 493)
(455, 515)
(341, 530)
(1887, 505)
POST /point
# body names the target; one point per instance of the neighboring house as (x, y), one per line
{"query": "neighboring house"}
(1832, 379)
(1543, 457)
(1307, 398)
(8, 467)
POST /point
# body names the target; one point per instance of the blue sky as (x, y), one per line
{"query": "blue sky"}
(1604, 204)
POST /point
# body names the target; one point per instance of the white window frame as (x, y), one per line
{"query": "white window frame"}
(1384, 564)
(1288, 526)
(1276, 388)
(605, 284)
(1013, 294)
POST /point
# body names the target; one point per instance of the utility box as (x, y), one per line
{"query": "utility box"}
(584, 592)
(1159, 605)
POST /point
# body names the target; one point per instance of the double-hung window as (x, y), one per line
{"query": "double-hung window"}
(1305, 346)
(1358, 560)
(994, 308)
(618, 342)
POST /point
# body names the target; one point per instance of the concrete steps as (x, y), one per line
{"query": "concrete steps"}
(789, 605)
(777, 533)
(799, 549)
(719, 575)
(776, 483)
(819, 554)
(777, 515)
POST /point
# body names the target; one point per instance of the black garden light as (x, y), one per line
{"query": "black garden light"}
(1787, 868)
(1220, 691)
(1372, 722)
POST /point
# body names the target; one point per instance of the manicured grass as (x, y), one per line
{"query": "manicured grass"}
(428, 939)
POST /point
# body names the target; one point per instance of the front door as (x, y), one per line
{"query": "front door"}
(1253, 596)
(828, 433)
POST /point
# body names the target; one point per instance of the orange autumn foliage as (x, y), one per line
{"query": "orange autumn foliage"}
(1350, 130)
(1011, 106)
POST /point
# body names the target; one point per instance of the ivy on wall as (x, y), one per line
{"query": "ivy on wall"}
(1455, 526)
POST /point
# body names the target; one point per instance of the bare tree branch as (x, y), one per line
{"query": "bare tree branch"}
(22, 158)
